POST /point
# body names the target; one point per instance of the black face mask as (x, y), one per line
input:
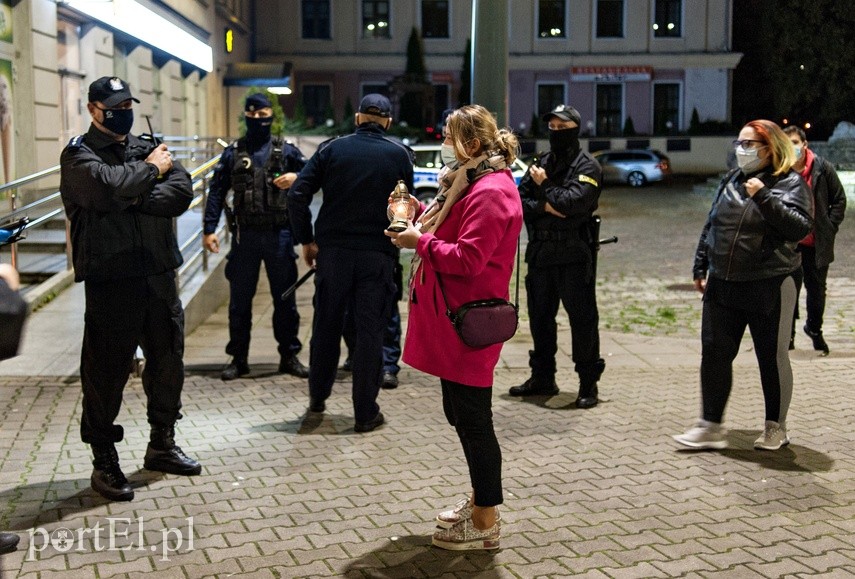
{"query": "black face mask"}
(118, 121)
(258, 129)
(564, 140)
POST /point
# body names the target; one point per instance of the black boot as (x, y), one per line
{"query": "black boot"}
(8, 542)
(290, 364)
(534, 387)
(818, 341)
(108, 480)
(587, 396)
(237, 368)
(164, 455)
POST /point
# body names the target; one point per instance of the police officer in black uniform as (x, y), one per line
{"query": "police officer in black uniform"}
(259, 169)
(120, 195)
(559, 197)
(354, 259)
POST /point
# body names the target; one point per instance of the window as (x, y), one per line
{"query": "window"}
(375, 19)
(316, 19)
(550, 19)
(666, 108)
(316, 102)
(668, 19)
(435, 19)
(549, 96)
(609, 18)
(609, 109)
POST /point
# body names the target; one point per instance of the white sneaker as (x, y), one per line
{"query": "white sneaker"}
(774, 437)
(704, 435)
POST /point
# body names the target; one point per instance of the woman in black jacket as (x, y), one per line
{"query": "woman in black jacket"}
(744, 267)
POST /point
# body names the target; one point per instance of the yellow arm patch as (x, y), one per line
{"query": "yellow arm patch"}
(586, 179)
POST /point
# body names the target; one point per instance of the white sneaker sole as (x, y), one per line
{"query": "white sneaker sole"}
(479, 545)
(705, 445)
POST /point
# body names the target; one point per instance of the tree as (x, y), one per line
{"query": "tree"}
(466, 75)
(414, 83)
(629, 128)
(797, 64)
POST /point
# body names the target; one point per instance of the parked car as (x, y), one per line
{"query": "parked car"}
(428, 164)
(635, 167)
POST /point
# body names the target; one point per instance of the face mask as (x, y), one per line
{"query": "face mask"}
(564, 140)
(446, 152)
(747, 160)
(118, 121)
(798, 152)
(258, 129)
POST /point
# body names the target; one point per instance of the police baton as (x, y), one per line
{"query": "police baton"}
(290, 291)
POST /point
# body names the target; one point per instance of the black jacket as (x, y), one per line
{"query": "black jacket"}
(357, 172)
(750, 238)
(120, 211)
(829, 209)
(572, 187)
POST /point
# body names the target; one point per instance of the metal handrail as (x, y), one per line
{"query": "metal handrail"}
(199, 176)
(29, 179)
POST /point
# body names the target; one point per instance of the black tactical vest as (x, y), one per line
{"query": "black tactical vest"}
(257, 201)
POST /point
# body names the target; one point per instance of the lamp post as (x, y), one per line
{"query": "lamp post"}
(490, 57)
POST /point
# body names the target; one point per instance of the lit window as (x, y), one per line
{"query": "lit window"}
(375, 19)
(668, 19)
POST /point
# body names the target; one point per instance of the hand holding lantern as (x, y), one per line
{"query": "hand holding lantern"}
(400, 208)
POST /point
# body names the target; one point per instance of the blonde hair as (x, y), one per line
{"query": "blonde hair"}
(782, 154)
(472, 122)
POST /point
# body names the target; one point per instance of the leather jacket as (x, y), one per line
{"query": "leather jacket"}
(750, 238)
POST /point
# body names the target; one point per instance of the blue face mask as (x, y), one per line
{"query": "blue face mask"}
(118, 121)
(798, 150)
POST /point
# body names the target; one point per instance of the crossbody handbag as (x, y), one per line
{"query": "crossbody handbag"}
(482, 323)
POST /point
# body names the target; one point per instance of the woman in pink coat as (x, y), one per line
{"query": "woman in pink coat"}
(469, 236)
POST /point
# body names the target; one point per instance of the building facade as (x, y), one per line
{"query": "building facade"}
(648, 62)
(651, 62)
(171, 52)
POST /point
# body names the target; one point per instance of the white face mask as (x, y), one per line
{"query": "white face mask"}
(747, 160)
(446, 152)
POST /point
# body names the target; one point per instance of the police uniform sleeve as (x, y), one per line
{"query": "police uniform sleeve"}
(577, 193)
(171, 195)
(221, 182)
(532, 199)
(88, 182)
(295, 160)
(300, 197)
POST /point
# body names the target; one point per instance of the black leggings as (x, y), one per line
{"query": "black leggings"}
(722, 329)
(469, 410)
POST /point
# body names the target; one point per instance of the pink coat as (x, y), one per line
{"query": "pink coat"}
(474, 250)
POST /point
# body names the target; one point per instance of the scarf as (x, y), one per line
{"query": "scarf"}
(453, 185)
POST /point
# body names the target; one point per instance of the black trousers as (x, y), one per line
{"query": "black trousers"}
(574, 286)
(121, 315)
(765, 307)
(363, 280)
(814, 279)
(249, 248)
(469, 410)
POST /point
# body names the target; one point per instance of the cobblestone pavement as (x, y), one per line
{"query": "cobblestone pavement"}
(595, 493)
